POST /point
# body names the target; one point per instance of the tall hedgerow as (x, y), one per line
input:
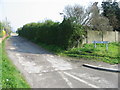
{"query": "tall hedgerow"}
(66, 34)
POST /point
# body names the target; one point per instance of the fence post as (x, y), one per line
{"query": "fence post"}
(106, 46)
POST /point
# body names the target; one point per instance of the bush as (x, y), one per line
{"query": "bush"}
(63, 34)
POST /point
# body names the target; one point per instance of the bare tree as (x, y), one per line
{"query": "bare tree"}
(99, 22)
(78, 14)
(75, 13)
(89, 17)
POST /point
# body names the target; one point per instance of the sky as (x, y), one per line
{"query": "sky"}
(20, 12)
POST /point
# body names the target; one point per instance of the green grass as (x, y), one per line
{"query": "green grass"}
(11, 77)
(99, 53)
(88, 51)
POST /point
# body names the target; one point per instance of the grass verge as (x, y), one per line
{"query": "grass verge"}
(112, 56)
(11, 77)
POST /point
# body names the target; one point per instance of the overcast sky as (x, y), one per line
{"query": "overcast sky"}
(20, 12)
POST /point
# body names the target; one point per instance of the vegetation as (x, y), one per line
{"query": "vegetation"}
(98, 21)
(111, 10)
(10, 76)
(1, 26)
(90, 16)
(73, 29)
(62, 34)
(1, 35)
(69, 34)
(4, 28)
(88, 51)
(75, 13)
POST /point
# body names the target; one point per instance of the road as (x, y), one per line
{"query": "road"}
(43, 69)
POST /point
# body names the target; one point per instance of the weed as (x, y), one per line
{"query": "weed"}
(11, 77)
(89, 52)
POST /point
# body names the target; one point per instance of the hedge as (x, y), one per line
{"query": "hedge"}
(55, 33)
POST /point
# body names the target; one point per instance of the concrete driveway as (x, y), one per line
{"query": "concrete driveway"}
(43, 69)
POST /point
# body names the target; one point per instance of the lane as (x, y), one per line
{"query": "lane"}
(81, 80)
(38, 71)
(42, 69)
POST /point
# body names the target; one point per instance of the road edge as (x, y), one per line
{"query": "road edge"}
(101, 68)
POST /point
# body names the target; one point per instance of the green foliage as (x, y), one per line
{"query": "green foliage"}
(5, 26)
(78, 35)
(1, 27)
(88, 51)
(1, 34)
(10, 76)
(51, 48)
(99, 53)
(111, 10)
(53, 33)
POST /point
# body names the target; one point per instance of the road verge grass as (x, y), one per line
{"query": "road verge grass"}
(11, 77)
(112, 56)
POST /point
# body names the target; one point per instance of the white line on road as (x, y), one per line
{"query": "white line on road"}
(12, 48)
(93, 86)
(67, 81)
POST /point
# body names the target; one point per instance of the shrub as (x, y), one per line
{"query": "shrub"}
(63, 34)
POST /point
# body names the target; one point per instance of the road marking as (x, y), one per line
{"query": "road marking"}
(51, 56)
(12, 48)
(67, 81)
(94, 86)
(17, 54)
(59, 64)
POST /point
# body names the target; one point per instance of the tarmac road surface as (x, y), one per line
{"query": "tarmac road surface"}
(43, 69)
